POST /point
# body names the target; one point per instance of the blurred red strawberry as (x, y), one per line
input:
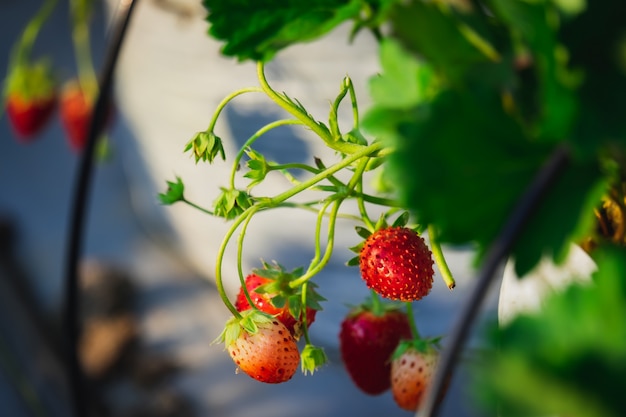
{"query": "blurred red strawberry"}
(76, 109)
(30, 98)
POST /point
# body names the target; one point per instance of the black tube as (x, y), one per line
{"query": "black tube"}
(71, 316)
(494, 257)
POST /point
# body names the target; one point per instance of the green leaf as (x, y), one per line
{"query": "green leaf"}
(473, 160)
(423, 27)
(175, 192)
(258, 29)
(570, 357)
(405, 81)
(596, 44)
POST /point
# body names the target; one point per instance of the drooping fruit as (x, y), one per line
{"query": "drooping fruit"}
(270, 292)
(367, 340)
(397, 264)
(262, 347)
(412, 370)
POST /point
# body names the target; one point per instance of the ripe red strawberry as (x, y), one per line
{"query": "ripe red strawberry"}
(367, 340)
(397, 264)
(412, 370)
(270, 292)
(30, 98)
(265, 350)
(76, 111)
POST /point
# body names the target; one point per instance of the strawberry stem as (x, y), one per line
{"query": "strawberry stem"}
(318, 128)
(81, 11)
(227, 100)
(22, 51)
(252, 139)
(249, 212)
(412, 323)
(378, 308)
(440, 259)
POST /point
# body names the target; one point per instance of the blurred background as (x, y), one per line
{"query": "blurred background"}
(150, 307)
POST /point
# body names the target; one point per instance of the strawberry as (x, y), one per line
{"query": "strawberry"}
(412, 369)
(270, 292)
(397, 264)
(367, 339)
(262, 347)
(76, 111)
(30, 98)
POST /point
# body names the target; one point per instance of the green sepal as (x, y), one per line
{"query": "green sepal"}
(353, 261)
(363, 232)
(402, 220)
(175, 192)
(258, 167)
(248, 321)
(31, 81)
(420, 345)
(231, 203)
(206, 146)
(311, 358)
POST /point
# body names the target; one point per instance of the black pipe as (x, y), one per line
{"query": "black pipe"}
(71, 316)
(494, 257)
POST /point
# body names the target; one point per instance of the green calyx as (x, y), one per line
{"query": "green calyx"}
(31, 81)
(283, 293)
(428, 345)
(312, 358)
(248, 321)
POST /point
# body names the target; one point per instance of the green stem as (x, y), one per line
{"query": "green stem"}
(252, 139)
(304, 319)
(219, 282)
(440, 259)
(364, 151)
(317, 128)
(23, 48)
(377, 304)
(240, 273)
(318, 234)
(194, 205)
(411, 317)
(227, 100)
(355, 107)
(316, 268)
(87, 77)
(295, 165)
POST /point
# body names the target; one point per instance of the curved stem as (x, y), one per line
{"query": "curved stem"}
(412, 324)
(495, 255)
(440, 259)
(219, 282)
(364, 151)
(240, 273)
(197, 207)
(24, 47)
(315, 269)
(320, 130)
(304, 318)
(227, 100)
(87, 78)
(252, 139)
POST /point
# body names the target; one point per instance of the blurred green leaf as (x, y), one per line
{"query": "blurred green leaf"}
(570, 358)
(258, 29)
(175, 192)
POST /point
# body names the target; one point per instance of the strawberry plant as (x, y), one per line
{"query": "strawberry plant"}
(495, 125)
